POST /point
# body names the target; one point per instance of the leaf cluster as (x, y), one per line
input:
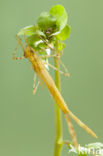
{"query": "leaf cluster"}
(51, 27)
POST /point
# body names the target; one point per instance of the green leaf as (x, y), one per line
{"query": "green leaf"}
(83, 154)
(60, 14)
(31, 30)
(46, 21)
(33, 39)
(41, 45)
(43, 52)
(61, 46)
(36, 43)
(64, 34)
(40, 33)
(28, 31)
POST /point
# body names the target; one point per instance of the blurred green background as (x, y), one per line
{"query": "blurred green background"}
(27, 122)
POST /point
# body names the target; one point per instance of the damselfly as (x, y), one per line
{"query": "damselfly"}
(39, 68)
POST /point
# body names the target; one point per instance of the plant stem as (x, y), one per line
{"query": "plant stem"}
(58, 118)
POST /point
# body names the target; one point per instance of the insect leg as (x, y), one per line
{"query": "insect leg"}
(58, 57)
(35, 87)
(50, 56)
(48, 44)
(66, 70)
(66, 74)
(71, 130)
(19, 43)
(26, 40)
(81, 124)
(18, 58)
(13, 55)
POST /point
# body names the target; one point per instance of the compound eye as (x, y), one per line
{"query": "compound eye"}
(31, 50)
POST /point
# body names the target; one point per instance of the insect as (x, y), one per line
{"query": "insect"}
(39, 68)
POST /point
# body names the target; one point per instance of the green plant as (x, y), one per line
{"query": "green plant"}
(50, 32)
